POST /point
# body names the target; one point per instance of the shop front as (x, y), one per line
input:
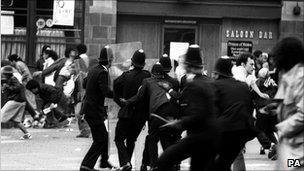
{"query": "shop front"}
(27, 25)
(219, 27)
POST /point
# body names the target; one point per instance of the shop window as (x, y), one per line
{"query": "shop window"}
(58, 37)
(14, 16)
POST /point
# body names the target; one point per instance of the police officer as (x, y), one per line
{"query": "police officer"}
(131, 119)
(167, 138)
(197, 103)
(97, 88)
(234, 114)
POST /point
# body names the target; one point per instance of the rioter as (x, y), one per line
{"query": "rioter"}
(160, 105)
(13, 109)
(165, 61)
(97, 88)
(51, 97)
(289, 59)
(197, 117)
(130, 119)
(234, 114)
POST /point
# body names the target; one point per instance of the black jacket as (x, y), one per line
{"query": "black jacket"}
(126, 86)
(97, 88)
(234, 105)
(197, 106)
(50, 94)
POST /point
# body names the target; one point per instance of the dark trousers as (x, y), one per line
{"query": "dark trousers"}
(265, 124)
(201, 147)
(99, 146)
(230, 145)
(166, 138)
(126, 133)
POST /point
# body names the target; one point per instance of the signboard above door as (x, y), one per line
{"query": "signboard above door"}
(235, 48)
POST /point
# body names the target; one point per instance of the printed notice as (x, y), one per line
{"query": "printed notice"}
(63, 12)
(235, 48)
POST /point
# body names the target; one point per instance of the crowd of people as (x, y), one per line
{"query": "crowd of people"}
(254, 95)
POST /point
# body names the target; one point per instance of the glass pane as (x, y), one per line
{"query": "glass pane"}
(15, 11)
(57, 36)
(177, 35)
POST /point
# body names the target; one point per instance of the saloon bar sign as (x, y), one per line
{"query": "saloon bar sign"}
(237, 47)
(249, 34)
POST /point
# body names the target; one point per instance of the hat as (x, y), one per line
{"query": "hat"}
(166, 63)
(223, 67)
(105, 54)
(194, 57)
(157, 70)
(138, 58)
(7, 70)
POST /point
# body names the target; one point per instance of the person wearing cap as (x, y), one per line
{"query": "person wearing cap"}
(234, 114)
(97, 88)
(13, 109)
(165, 61)
(159, 106)
(197, 118)
(130, 120)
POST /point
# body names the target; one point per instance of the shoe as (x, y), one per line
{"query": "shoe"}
(143, 168)
(26, 136)
(273, 152)
(107, 165)
(85, 168)
(262, 151)
(82, 136)
(62, 124)
(126, 167)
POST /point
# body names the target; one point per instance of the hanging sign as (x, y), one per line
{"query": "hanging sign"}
(63, 12)
(7, 22)
(237, 47)
(49, 22)
(40, 23)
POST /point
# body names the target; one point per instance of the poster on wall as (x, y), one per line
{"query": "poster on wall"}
(63, 12)
(235, 48)
(7, 22)
(177, 49)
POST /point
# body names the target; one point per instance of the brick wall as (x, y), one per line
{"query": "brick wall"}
(292, 25)
(100, 25)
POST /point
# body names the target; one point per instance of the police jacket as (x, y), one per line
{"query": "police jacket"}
(150, 88)
(234, 105)
(197, 106)
(97, 88)
(126, 86)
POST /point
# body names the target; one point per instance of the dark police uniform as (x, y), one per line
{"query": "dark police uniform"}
(131, 119)
(97, 88)
(198, 118)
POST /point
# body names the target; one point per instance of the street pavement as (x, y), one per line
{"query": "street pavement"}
(59, 149)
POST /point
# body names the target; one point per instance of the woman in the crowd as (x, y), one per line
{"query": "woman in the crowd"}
(21, 67)
(50, 57)
(26, 75)
(13, 109)
(41, 60)
(289, 59)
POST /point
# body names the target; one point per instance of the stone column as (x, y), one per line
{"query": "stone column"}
(100, 25)
(292, 25)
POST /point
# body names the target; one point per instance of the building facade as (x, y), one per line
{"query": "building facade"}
(220, 27)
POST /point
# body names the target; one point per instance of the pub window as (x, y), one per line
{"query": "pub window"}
(58, 37)
(22, 13)
(13, 30)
